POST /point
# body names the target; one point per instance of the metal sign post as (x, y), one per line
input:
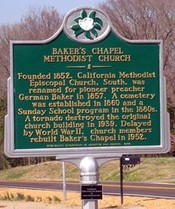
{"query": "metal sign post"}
(89, 178)
(64, 180)
(121, 179)
(89, 175)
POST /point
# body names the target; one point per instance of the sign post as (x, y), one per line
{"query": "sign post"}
(89, 178)
(121, 179)
(64, 180)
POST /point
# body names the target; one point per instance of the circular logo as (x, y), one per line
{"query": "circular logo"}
(86, 25)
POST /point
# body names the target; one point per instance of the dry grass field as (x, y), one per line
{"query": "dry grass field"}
(34, 199)
(150, 169)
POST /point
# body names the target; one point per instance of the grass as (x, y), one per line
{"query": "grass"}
(8, 196)
(20, 197)
(150, 169)
(15, 173)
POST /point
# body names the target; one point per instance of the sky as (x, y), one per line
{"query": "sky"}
(11, 11)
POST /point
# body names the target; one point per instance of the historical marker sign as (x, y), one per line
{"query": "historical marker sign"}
(85, 91)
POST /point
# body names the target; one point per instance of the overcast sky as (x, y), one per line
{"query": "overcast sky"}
(11, 11)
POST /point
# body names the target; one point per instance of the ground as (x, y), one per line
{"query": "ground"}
(55, 200)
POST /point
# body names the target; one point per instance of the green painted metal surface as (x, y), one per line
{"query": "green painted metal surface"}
(69, 94)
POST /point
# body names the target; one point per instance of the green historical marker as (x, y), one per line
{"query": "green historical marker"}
(86, 91)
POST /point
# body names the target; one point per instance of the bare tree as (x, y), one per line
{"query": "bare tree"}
(147, 19)
(39, 24)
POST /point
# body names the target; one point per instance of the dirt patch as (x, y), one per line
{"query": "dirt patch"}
(32, 205)
(55, 200)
